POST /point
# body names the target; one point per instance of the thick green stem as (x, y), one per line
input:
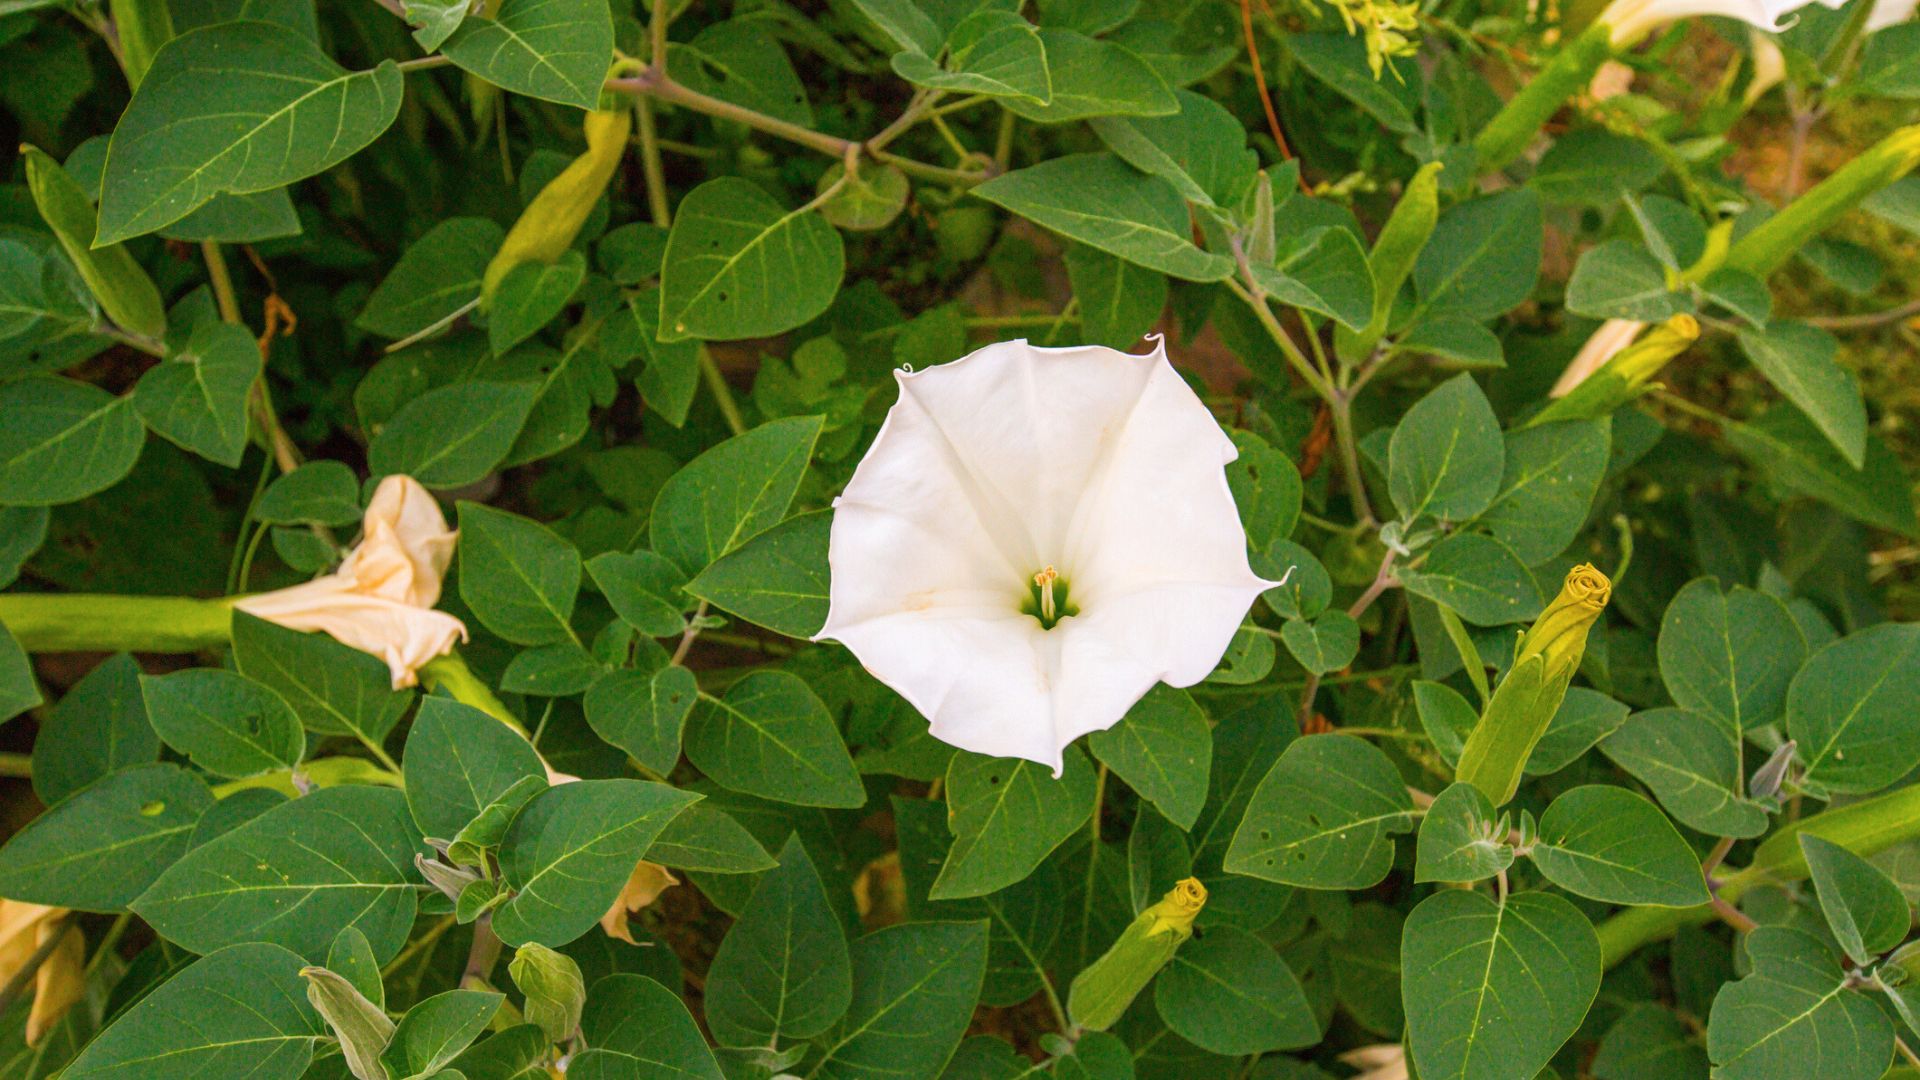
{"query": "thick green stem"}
(90, 622)
(1524, 114)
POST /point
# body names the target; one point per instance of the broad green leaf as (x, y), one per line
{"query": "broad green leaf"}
(451, 436)
(783, 971)
(1851, 709)
(319, 492)
(1591, 166)
(571, 849)
(1478, 578)
(1366, 980)
(1325, 272)
(225, 723)
(772, 736)
(643, 589)
(1119, 302)
(1585, 716)
(1620, 280)
(704, 837)
(637, 1029)
(434, 21)
(1229, 992)
(906, 22)
(436, 276)
(738, 61)
(1459, 838)
(1099, 201)
(1163, 749)
(1456, 338)
(123, 289)
(992, 52)
(295, 876)
(1889, 61)
(1007, 815)
(1339, 60)
(1323, 816)
(777, 580)
(1799, 360)
(98, 727)
(732, 493)
(1649, 1042)
(1446, 456)
(740, 265)
(458, 761)
(1093, 77)
(470, 845)
(1327, 642)
(63, 441)
(1739, 292)
(188, 1028)
(529, 297)
(1267, 489)
(1446, 717)
(1607, 843)
(1729, 656)
(1202, 150)
(1866, 911)
(643, 712)
(1692, 765)
(334, 689)
(555, 50)
(101, 846)
(520, 577)
(914, 989)
(237, 107)
(671, 372)
(872, 200)
(436, 1030)
(1799, 457)
(1794, 1017)
(1308, 589)
(1483, 256)
(1546, 491)
(1492, 989)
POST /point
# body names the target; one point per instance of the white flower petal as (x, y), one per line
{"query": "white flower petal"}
(1102, 465)
(1634, 19)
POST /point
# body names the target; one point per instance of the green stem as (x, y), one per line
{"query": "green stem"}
(1524, 114)
(93, 622)
(650, 165)
(722, 393)
(19, 766)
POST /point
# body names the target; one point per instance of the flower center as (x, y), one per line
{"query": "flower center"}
(1046, 598)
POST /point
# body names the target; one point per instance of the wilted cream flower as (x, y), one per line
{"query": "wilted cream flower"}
(381, 598)
(643, 887)
(1036, 538)
(1612, 336)
(60, 981)
(1631, 20)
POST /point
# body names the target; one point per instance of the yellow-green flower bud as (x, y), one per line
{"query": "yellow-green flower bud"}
(1104, 989)
(1524, 703)
(553, 986)
(1622, 378)
(126, 293)
(1776, 239)
(362, 1027)
(1526, 112)
(550, 222)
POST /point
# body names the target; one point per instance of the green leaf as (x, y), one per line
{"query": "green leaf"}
(643, 588)
(1492, 989)
(1620, 280)
(1741, 293)
(1163, 749)
(1692, 765)
(1851, 709)
(1327, 642)
(97, 728)
(1119, 302)
(1607, 843)
(739, 265)
(225, 723)
(570, 850)
(1007, 815)
(1483, 256)
(458, 761)
(318, 493)
(555, 50)
(101, 846)
(1323, 816)
(914, 989)
(237, 107)
(1446, 456)
(437, 275)
(643, 713)
(125, 292)
(783, 971)
(1866, 911)
(1547, 487)
(1889, 63)
(871, 201)
(1099, 201)
(295, 876)
(436, 1030)
(738, 61)
(906, 22)
(1592, 166)
(1800, 458)
(1460, 839)
(1339, 60)
(489, 828)
(706, 838)
(1267, 489)
(529, 297)
(451, 436)
(517, 575)
(63, 441)
(1325, 271)
(334, 689)
(1228, 992)
(1794, 1017)
(1445, 716)
(1308, 589)
(777, 580)
(639, 1030)
(772, 736)
(188, 1027)
(1093, 78)
(732, 493)
(991, 52)
(1729, 656)
(1799, 360)
(1478, 578)
(1649, 1042)
(1202, 150)
(1584, 718)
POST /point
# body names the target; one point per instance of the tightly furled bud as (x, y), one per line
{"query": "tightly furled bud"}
(1624, 375)
(547, 227)
(1775, 240)
(363, 1028)
(555, 991)
(1524, 703)
(1104, 989)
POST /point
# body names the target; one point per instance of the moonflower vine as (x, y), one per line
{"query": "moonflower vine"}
(1037, 537)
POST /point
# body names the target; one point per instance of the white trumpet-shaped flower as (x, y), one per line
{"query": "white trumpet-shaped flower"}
(1036, 538)
(381, 598)
(1631, 20)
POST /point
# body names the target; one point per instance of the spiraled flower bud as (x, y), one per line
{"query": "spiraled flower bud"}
(554, 988)
(1104, 989)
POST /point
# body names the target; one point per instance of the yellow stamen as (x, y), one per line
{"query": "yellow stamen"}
(1045, 580)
